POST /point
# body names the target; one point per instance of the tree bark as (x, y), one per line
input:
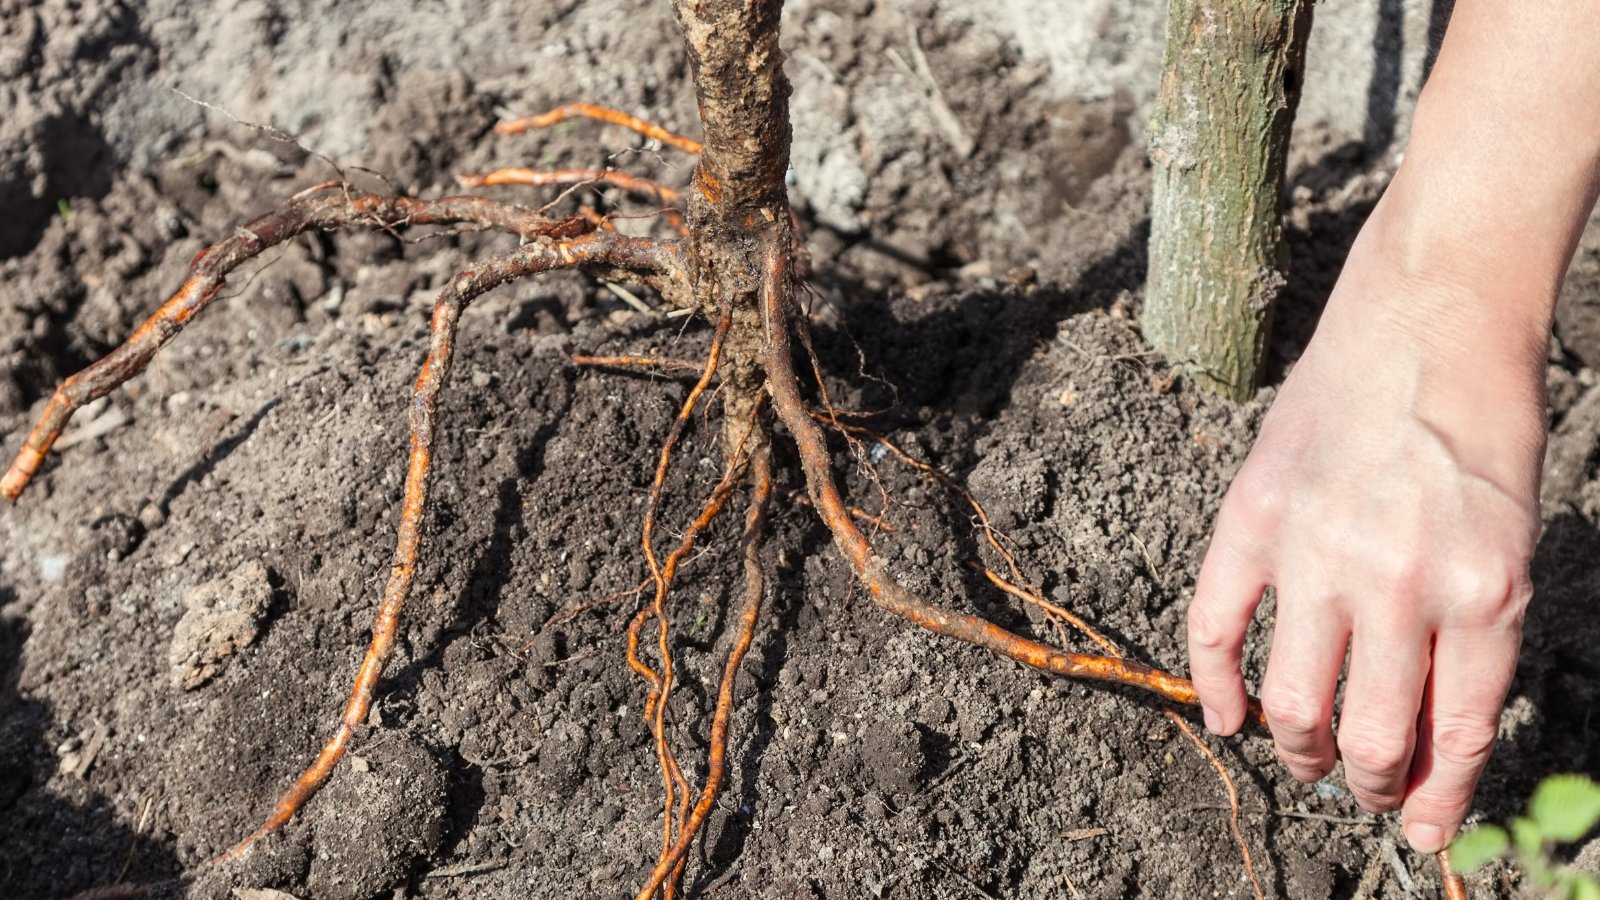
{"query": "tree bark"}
(739, 202)
(1219, 144)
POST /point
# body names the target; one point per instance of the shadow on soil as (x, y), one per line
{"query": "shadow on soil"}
(1558, 674)
(956, 367)
(52, 845)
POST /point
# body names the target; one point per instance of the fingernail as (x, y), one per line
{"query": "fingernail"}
(1424, 838)
(1213, 721)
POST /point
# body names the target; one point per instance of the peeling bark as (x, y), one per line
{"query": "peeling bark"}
(739, 201)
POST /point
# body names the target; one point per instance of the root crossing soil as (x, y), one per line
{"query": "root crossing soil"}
(185, 590)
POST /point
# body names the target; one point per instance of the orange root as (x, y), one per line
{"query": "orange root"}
(600, 113)
(637, 362)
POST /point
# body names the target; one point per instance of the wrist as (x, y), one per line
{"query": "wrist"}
(1502, 165)
(1427, 276)
(1441, 339)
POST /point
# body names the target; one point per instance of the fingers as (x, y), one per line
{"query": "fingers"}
(1471, 674)
(1389, 664)
(1308, 647)
(1225, 598)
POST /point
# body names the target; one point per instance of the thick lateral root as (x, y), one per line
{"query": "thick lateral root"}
(886, 590)
(591, 250)
(571, 241)
(600, 113)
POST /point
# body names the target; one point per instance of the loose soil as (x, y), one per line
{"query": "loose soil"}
(184, 593)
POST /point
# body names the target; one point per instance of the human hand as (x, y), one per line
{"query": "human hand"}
(1392, 501)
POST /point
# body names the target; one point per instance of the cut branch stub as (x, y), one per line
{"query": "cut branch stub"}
(1219, 141)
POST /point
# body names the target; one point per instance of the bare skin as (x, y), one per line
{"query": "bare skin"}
(1392, 496)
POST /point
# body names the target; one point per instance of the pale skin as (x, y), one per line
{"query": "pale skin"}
(1392, 497)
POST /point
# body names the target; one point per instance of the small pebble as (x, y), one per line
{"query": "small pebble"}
(152, 516)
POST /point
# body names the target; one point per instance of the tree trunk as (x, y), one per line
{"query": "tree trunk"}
(739, 201)
(1219, 144)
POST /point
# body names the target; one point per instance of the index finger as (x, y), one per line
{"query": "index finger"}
(1226, 595)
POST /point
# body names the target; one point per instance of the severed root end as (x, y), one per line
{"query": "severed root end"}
(602, 114)
(1455, 887)
(30, 458)
(22, 470)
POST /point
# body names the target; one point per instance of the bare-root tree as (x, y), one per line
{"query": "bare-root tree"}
(1219, 144)
(737, 263)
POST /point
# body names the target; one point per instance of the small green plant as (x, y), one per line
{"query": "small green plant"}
(1563, 809)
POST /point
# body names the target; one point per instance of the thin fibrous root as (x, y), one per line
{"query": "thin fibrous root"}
(592, 251)
(517, 175)
(661, 688)
(878, 522)
(657, 363)
(1233, 797)
(656, 263)
(1053, 613)
(1034, 598)
(600, 113)
(887, 592)
(939, 476)
(567, 177)
(588, 605)
(669, 868)
(593, 217)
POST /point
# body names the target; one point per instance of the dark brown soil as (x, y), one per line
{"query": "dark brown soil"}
(184, 594)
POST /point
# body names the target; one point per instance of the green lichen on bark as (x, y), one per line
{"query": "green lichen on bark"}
(1219, 142)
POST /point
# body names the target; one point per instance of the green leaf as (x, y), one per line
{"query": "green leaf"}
(1527, 838)
(1565, 806)
(1583, 887)
(1472, 849)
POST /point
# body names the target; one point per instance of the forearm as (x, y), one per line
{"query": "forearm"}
(1392, 496)
(1500, 173)
(1451, 286)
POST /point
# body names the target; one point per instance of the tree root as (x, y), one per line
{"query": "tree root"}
(573, 243)
(651, 364)
(564, 243)
(740, 270)
(601, 114)
(887, 592)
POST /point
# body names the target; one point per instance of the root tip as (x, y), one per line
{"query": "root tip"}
(16, 478)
